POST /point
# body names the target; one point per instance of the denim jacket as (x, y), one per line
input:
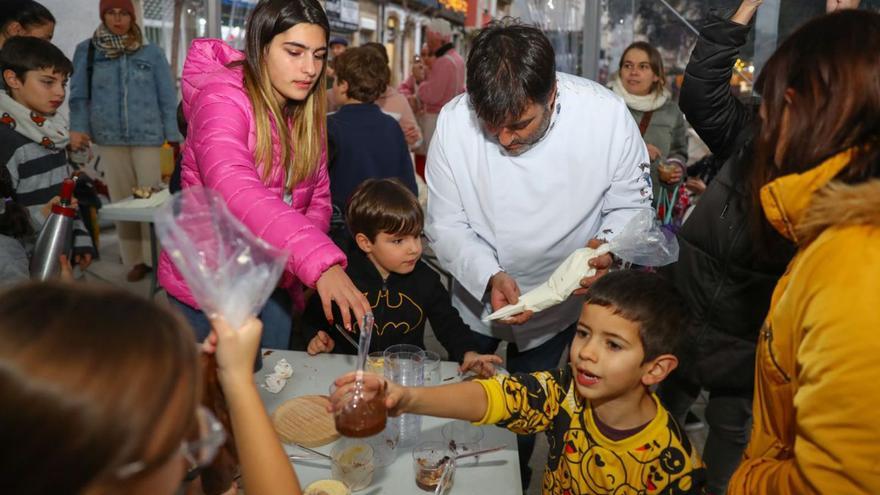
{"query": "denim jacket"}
(134, 102)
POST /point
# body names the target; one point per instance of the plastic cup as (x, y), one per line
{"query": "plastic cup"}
(362, 412)
(376, 362)
(352, 463)
(429, 459)
(462, 437)
(404, 365)
(432, 369)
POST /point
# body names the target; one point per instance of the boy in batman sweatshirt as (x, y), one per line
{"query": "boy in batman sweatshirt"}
(386, 222)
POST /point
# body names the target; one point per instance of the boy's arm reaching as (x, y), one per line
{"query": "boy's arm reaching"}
(523, 403)
(466, 400)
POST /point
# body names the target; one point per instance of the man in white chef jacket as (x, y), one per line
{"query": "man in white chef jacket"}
(526, 167)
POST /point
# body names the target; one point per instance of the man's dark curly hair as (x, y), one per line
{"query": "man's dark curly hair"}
(510, 66)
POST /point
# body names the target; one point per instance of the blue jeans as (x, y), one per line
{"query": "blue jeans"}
(275, 316)
(542, 358)
(729, 416)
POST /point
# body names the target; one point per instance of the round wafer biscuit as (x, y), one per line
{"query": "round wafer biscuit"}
(305, 421)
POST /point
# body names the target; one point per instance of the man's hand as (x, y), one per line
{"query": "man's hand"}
(505, 291)
(653, 152)
(79, 140)
(320, 344)
(601, 263)
(481, 364)
(833, 5)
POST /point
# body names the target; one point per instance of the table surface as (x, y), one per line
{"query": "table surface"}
(496, 473)
(133, 209)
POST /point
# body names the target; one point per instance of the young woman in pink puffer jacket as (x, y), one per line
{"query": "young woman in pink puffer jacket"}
(257, 135)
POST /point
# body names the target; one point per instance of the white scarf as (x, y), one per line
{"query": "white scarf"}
(51, 132)
(646, 103)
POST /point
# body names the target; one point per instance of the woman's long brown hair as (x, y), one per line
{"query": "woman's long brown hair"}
(87, 375)
(827, 75)
(309, 123)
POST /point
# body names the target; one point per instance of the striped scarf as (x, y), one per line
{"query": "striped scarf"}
(114, 45)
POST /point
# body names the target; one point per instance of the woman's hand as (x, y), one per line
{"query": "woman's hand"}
(335, 286)
(746, 11)
(79, 140)
(670, 174)
(653, 152)
(235, 349)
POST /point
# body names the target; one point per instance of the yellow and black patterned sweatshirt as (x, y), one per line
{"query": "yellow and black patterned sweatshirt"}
(658, 459)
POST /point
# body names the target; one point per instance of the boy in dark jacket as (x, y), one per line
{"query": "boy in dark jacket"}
(386, 221)
(32, 137)
(364, 143)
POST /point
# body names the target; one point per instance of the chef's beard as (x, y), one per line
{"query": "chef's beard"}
(534, 138)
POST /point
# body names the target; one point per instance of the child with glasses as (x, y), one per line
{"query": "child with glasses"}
(100, 393)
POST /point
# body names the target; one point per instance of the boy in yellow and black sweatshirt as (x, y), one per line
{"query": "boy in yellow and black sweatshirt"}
(386, 221)
(608, 433)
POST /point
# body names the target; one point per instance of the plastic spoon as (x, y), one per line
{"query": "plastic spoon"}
(364, 343)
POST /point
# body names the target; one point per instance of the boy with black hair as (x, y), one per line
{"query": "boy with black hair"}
(33, 137)
(386, 221)
(363, 141)
(607, 432)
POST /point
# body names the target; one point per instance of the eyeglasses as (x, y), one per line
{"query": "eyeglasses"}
(199, 453)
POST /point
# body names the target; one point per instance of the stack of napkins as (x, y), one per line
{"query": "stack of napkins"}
(276, 380)
(564, 280)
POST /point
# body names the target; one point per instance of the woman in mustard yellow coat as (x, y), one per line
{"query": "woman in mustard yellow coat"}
(816, 412)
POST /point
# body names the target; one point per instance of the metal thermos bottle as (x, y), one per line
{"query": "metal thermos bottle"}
(56, 236)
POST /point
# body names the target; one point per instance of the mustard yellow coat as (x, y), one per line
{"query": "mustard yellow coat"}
(817, 387)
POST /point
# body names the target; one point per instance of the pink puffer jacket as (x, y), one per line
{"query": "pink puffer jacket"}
(219, 154)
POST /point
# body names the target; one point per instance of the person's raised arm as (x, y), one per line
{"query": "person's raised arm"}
(265, 468)
(746, 11)
(706, 99)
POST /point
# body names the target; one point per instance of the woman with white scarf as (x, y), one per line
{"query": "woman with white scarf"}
(641, 82)
(122, 98)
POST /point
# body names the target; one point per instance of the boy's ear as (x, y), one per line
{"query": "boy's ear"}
(658, 369)
(363, 243)
(343, 86)
(11, 79)
(14, 28)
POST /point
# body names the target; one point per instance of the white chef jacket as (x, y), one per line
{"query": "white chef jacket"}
(525, 214)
